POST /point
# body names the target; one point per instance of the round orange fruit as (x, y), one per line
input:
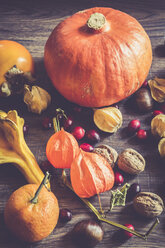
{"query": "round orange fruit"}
(30, 221)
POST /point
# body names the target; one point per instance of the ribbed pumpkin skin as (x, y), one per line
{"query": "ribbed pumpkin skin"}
(91, 174)
(61, 149)
(97, 69)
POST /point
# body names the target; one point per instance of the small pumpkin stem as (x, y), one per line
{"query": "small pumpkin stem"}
(44, 181)
(96, 21)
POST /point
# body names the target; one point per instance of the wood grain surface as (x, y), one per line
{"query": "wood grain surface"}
(30, 23)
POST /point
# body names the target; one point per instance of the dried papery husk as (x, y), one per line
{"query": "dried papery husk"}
(158, 126)
(108, 119)
(13, 148)
(61, 149)
(161, 148)
(91, 174)
(157, 87)
(36, 98)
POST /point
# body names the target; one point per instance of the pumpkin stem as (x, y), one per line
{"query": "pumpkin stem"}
(96, 21)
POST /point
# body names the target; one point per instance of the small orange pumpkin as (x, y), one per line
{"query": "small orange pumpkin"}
(91, 174)
(61, 149)
(98, 56)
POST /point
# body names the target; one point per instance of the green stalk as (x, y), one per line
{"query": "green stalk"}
(34, 200)
(101, 218)
(56, 120)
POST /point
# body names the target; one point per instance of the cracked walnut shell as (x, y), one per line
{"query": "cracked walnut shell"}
(148, 204)
(130, 161)
(109, 153)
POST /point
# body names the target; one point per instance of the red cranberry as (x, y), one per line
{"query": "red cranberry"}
(86, 147)
(156, 112)
(47, 123)
(133, 126)
(78, 132)
(92, 136)
(46, 166)
(145, 84)
(25, 129)
(67, 123)
(133, 190)
(128, 234)
(141, 134)
(162, 108)
(65, 215)
(119, 179)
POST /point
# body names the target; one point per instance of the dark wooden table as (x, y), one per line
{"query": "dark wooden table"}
(30, 23)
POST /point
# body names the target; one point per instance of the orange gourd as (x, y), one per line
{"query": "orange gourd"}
(61, 149)
(90, 174)
(98, 56)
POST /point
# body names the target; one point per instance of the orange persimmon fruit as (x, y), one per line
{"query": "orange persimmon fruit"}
(12, 54)
(61, 149)
(91, 174)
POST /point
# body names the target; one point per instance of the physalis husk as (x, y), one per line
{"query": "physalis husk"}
(108, 119)
(157, 87)
(161, 147)
(158, 125)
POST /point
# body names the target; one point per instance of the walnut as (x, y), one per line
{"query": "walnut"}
(148, 204)
(131, 161)
(109, 153)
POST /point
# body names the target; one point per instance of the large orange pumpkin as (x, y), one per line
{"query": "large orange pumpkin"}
(98, 56)
(90, 174)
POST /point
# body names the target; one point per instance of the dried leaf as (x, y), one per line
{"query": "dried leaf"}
(157, 87)
(36, 98)
(118, 197)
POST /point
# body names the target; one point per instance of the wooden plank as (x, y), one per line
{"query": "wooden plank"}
(30, 23)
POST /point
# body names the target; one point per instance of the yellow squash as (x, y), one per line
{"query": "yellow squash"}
(13, 148)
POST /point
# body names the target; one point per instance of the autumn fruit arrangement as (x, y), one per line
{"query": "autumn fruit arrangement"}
(82, 60)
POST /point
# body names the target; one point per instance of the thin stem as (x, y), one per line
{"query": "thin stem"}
(56, 125)
(101, 209)
(34, 200)
(142, 236)
(56, 120)
(101, 218)
(152, 227)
